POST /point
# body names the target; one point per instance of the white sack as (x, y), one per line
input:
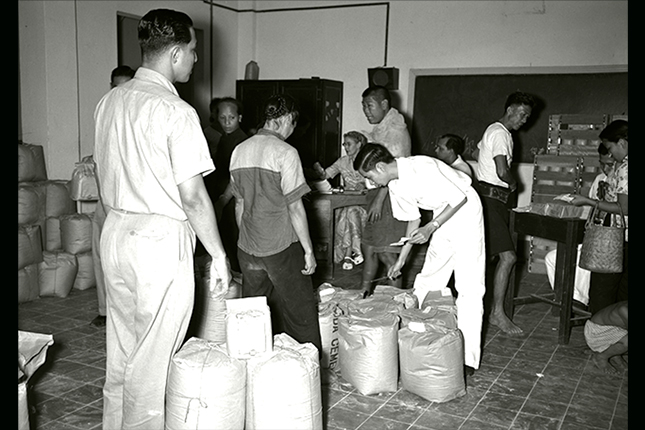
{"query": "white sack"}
(56, 273)
(31, 203)
(432, 361)
(328, 314)
(85, 277)
(52, 239)
(444, 315)
(405, 297)
(58, 201)
(76, 233)
(283, 388)
(31, 163)
(438, 297)
(83, 185)
(28, 287)
(206, 388)
(30, 250)
(368, 352)
(32, 352)
(248, 327)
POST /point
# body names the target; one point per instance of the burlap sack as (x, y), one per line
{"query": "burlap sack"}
(31, 203)
(58, 201)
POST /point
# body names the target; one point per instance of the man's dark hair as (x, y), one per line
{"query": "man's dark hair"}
(615, 131)
(454, 142)
(162, 28)
(369, 155)
(238, 104)
(520, 98)
(124, 71)
(379, 93)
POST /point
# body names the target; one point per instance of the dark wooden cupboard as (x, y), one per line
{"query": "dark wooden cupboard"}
(318, 133)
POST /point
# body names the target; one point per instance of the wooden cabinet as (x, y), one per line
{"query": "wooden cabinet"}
(318, 133)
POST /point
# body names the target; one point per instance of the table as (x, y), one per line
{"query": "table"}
(568, 233)
(320, 214)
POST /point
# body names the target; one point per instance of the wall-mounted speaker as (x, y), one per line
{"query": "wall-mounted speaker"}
(387, 77)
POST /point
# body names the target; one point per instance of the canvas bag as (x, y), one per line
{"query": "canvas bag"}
(602, 246)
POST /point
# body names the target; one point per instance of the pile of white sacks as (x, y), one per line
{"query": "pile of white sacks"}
(235, 374)
(373, 342)
(54, 241)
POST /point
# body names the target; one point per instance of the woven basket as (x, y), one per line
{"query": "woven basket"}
(602, 246)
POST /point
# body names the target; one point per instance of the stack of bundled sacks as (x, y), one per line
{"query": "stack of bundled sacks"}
(243, 376)
(54, 242)
(372, 342)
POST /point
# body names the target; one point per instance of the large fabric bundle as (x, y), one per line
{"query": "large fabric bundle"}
(76, 233)
(329, 293)
(58, 201)
(432, 361)
(85, 277)
(28, 287)
(31, 163)
(57, 273)
(83, 183)
(52, 241)
(206, 388)
(283, 388)
(30, 248)
(368, 354)
(248, 327)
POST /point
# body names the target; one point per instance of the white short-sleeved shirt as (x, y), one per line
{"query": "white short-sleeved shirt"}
(147, 142)
(426, 183)
(497, 140)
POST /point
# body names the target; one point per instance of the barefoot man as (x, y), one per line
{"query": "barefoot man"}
(606, 335)
(497, 188)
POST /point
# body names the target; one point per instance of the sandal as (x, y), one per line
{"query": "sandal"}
(358, 259)
(348, 264)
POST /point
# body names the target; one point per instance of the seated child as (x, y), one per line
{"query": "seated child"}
(606, 336)
(350, 220)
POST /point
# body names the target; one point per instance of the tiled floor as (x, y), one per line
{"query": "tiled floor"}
(529, 382)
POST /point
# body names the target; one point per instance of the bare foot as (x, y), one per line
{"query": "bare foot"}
(603, 364)
(505, 324)
(619, 362)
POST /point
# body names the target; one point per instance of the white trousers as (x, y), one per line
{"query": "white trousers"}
(465, 255)
(148, 266)
(582, 277)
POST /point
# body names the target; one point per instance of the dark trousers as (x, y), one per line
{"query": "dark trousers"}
(608, 288)
(289, 293)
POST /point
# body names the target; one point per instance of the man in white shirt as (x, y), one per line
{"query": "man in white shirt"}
(497, 188)
(150, 155)
(455, 234)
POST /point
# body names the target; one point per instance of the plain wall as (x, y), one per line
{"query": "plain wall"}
(68, 48)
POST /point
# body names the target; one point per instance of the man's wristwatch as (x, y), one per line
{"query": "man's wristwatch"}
(435, 224)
